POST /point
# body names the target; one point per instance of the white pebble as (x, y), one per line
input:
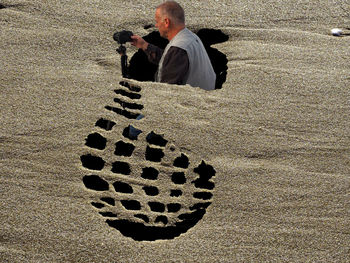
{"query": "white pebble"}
(336, 32)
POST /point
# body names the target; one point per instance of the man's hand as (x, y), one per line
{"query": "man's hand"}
(139, 42)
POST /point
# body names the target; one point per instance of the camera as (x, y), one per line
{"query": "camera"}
(123, 36)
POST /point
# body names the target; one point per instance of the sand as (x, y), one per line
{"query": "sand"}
(277, 136)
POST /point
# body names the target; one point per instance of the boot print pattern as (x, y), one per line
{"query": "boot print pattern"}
(142, 185)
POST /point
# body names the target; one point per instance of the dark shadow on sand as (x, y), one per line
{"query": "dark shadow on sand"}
(141, 232)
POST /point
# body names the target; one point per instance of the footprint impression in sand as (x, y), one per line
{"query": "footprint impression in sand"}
(142, 185)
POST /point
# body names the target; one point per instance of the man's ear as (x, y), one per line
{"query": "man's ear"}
(167, 22)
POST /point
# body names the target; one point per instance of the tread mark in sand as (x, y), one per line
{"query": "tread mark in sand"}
(162, 212)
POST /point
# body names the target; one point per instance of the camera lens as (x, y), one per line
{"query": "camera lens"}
(123, 36)
(116, 36)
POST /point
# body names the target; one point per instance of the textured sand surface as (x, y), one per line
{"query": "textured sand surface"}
(277, 133)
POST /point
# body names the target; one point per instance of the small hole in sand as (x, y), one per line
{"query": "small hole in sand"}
(121, 168)
(96, 140)
(203, 195)
(130, 87)
(92, 162)
(205, 172)
(139, 231)
(149, 173)
(125, 113)
(151, 190)
(131, 132)
(161, 219)
(108, 214)
(156, 139)
(95, 182)
(133, 106)
(174, 207)
(143, 217)
(175, 193)
(97, 205)
(154, 154)
(182, 161)
(105, 124)
(108, 200)
(130, 95)
(178, 178)
(121, 187)
(131, 204)
(123, 149)
(157, 207)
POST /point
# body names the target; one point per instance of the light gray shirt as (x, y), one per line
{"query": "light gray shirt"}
(200, 73)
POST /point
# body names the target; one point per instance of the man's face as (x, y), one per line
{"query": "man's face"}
(161, 24)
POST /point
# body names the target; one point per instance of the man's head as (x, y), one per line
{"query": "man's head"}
(170, 19)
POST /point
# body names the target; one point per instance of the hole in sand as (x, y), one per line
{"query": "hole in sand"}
(151, 190)
(175, 193)
(218, 59)
(123, 149)
(161, 219)
(205, 172)
(108, 200)
(105, 124)
(108, 214)
(97, 205)
(178, 178)
(203, 195)
(156, 139)
(130, 95)
(147, 218)
(3, 6)
(143, 217)
(174, 207)
(204, 184)
(131, 204)
(131, 135)
(157, 207)
(133, 106)
(182, 161)
(125, 113)
(130, 87)
(154, 154)
(121, 187)
(141, 232)
(141, 69)
(96, 140)
(95, 182)
(149, 173)
(121, 168)
(92, 162)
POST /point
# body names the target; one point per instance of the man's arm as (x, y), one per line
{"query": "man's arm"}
(153, 52)
(175, 66)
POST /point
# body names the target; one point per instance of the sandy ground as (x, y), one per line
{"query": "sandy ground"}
(277, 133)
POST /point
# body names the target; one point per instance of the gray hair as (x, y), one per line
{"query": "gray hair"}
(173, 10)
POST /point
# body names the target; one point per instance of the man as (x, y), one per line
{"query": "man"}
(184, 60)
